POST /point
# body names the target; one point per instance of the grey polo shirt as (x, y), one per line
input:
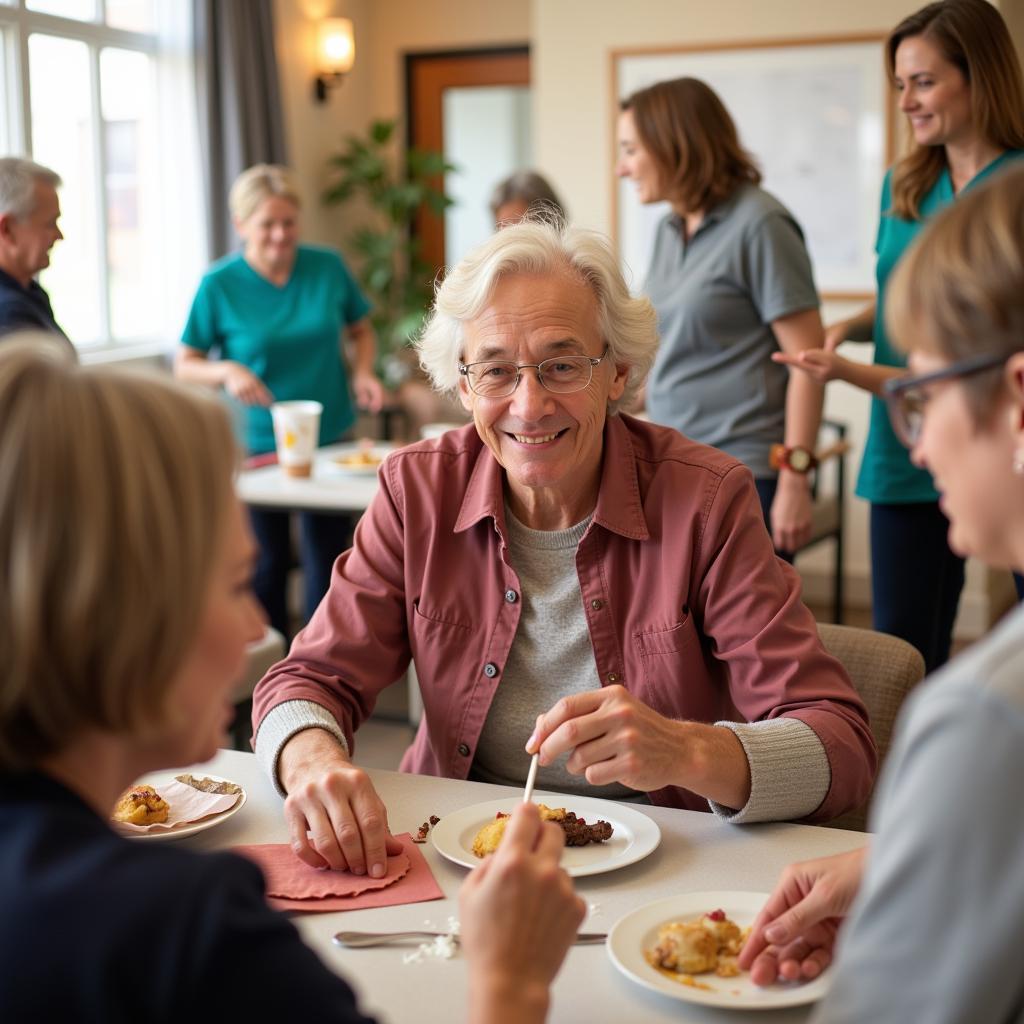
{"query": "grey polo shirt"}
(716, 297)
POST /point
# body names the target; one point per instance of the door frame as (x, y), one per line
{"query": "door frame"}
(427, 75)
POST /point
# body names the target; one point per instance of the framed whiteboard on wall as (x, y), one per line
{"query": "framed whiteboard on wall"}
(816, 115)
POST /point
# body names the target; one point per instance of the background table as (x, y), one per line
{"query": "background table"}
(697, 852)
(329, 489)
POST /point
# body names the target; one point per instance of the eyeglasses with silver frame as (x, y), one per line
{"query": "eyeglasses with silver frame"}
(906, 396)
(561, 375)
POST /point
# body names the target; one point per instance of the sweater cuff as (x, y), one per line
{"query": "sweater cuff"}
(790, 773)
(281, 723)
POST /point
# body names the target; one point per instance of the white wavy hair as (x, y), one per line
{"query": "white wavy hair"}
(628, 325)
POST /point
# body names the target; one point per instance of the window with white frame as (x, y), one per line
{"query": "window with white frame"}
(102, 92)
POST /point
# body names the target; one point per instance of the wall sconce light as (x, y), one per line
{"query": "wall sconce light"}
(335, 54)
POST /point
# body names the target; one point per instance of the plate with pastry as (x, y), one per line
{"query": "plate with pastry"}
(600, 835)
(363, 461)
(173, 806)
(685, 947)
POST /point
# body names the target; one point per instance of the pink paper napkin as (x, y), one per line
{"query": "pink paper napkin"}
(293, 885)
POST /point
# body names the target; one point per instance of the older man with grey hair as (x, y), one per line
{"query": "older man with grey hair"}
(29, 211)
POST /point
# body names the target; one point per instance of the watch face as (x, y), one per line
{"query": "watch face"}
(799, 459)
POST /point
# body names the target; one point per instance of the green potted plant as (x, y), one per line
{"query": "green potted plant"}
(396, 278)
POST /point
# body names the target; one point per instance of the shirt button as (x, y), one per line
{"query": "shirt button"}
(613, 677)
(463, 750)
(490, 670)
(511, 596)
(596, 604)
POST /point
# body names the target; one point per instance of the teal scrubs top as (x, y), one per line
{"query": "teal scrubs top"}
(289, 336)
(887, 476)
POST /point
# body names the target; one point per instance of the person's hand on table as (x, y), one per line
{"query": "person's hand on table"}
(335, 817)
(519, 914)
(793, 936)
(791, 511)
(820, 363)
(242, 384)
(368, 390)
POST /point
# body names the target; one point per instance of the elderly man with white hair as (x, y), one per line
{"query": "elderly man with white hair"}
(568, 580)
(29, 211)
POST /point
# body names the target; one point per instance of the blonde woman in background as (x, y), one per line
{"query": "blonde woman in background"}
(954, 66)
(277, 315)
(936, 931)
(125, 588)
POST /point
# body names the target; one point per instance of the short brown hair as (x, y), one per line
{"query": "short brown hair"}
(693, 141)
(972, 36)
(261, 182)
(114, 495)
(959, 291)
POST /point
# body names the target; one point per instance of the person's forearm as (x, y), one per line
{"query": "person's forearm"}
(200, 370)
(868, 376)
(861, 326)
(364, 343)
(804, 400)
(308, 752)
(714, 764)
(507, 1002)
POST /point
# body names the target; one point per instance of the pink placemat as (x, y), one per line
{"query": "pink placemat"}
(293, 885)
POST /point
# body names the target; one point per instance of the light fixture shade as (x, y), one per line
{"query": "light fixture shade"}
(336, 46)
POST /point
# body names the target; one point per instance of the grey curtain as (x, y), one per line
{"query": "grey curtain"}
(239, 96)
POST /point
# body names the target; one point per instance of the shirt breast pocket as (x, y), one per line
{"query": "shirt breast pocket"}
(441, 643)
(676, 679)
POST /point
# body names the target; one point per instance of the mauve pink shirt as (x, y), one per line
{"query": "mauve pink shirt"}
(687, 606)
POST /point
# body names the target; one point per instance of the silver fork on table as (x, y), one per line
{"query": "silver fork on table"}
(364, 940)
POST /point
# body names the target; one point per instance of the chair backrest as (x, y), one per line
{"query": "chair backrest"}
(884, 669)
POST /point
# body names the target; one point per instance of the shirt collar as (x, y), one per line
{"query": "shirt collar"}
(619, 507)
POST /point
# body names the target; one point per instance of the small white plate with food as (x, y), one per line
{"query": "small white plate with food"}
(364, 461)
(172, 806)
(684, 947)
(632, 835)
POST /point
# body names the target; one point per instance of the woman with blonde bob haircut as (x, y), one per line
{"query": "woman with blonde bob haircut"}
(732, 284)
(936, 906)
(568, 579)
(126, 609)
(958, 77)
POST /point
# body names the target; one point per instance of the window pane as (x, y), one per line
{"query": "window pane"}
(129, 139)
(80, 10)
(133, 15)
(62, 138)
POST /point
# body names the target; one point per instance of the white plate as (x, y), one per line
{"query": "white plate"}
(634, 836)
(638, 931)
(183, 830)
(330, 466)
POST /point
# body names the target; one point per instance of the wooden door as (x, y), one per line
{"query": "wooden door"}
(427, 75)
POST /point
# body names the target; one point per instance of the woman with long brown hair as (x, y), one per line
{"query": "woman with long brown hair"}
(959, 80)
(731, 281)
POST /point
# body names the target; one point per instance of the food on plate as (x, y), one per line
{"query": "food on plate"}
(424, 830)
(710, 943)
(141, 805)
(577, 831)
(208, 785)
(360, 459)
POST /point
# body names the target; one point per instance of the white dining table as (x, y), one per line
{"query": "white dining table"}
(697, 853)
(330, 488)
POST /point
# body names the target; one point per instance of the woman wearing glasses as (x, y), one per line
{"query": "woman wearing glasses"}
(936, 930)
(567, 579)
(959, 81)
(731, 280)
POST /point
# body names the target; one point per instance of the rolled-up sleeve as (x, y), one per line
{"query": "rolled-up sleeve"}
(766, 640)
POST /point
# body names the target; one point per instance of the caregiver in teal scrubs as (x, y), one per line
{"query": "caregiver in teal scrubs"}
(959, 83)
(276, 315)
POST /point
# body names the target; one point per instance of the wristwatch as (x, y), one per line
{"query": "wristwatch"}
(797, 458)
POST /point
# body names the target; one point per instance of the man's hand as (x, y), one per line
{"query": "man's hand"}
(791, 511)
(368, 390)
(794, 934)
(519, 914)
(335, 817)
(613, 737)
(242, 384)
